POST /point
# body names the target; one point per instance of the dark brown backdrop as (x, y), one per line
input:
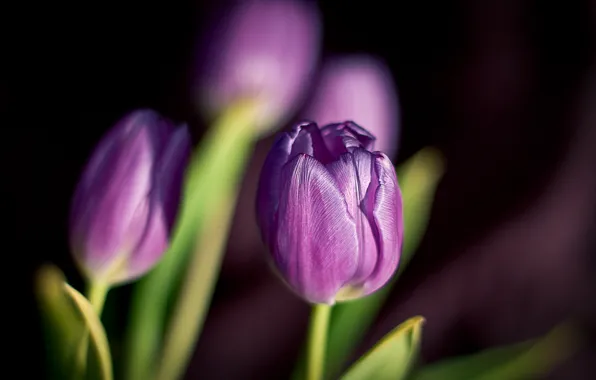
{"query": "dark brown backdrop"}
(505, 88)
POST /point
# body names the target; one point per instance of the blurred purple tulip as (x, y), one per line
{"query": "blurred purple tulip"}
(127, 198)
(330, 211)
(358, 88)
(265, 51)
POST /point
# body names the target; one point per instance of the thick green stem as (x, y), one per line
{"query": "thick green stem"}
(317, 341)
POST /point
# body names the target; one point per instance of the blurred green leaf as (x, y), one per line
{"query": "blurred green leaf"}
(67, 317)
(62, 325)
(418, 178)
(214, 172)
(392, 357)
(520, 361)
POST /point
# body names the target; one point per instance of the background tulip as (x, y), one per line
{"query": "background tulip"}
(330, 211)
(358, 87)
(264, 52)
(126, 201)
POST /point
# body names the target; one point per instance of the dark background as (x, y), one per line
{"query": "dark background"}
(506, 89)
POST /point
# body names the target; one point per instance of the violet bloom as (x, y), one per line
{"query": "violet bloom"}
(127, 198)
(265, 51)
(330, 211)
(358, 88)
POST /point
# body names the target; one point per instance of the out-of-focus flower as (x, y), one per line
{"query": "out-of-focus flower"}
(127, 198)
(264, 52)
(330, 211)
(358, 88)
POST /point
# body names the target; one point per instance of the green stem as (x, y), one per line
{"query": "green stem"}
(317, 341)
(195, 295)
(96, 294)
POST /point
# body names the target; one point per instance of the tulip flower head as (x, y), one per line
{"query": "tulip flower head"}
(126, 200)
(330, 211)
(265, 52)
(358, 88)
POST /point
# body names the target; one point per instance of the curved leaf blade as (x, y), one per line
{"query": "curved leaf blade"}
(393, 356)
(519, 361)
(96, 331)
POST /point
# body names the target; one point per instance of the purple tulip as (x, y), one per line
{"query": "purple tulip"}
(265, 51)
(358, 88)
(127, 198)
(330, 211)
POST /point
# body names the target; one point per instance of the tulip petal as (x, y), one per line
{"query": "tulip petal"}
(99, 166)
(170, 172)
(360, 88)
(152, 244)
(310, 141)
(343, 137)
(352, 173)
(116, 212)
(160, 130)
(164, 198)
(316, 236)
(98, 170)
(386, 206)
(264, 51)
(303, 138)
(269, 186)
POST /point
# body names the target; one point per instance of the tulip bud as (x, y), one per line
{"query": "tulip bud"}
(330, 211)
(127, 198)
(264, 52)
(358, 88)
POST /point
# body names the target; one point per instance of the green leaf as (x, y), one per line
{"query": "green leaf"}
(392, 357)
(418, 178)
(99, 341)
(62, 325)
(521, 361)
(67, 318)
(212, 177)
